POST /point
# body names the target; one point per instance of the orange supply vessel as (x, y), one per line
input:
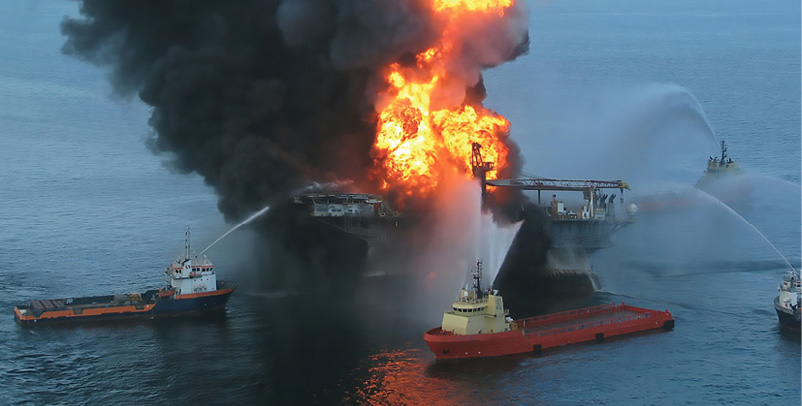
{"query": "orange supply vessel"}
(477, 325)
(193, 288)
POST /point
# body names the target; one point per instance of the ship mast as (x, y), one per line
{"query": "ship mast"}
(477, 279)
(187, 244)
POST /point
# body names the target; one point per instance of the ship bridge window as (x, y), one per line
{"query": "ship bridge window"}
(469, 310)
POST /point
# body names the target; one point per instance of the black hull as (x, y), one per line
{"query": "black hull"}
(788, 319)
(177, 306)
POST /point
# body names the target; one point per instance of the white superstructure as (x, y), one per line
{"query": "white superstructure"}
(187, 275)
(790, 292)
(475, 311)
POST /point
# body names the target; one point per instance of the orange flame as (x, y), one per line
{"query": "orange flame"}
(415, 146)
(486, 6)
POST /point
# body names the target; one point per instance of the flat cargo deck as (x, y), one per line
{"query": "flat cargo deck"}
(152, 303)
(537, 333)
(606, 314)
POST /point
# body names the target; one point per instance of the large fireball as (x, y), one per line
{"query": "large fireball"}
(424, 132)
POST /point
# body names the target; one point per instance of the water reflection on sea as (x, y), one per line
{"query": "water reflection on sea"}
(87, 210)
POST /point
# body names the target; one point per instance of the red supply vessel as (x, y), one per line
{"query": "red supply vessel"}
(477, 325)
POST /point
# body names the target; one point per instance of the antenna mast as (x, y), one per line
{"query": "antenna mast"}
(187, 243)
(477, 279)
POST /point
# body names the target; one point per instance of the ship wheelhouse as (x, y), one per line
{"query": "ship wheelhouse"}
(475, 311)
(189, 275)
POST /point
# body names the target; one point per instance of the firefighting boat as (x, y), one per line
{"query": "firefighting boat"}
(193, 286)
(477, 325)
(718, 167)
(788, 302)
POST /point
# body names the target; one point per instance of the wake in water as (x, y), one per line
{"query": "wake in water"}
(246, 221)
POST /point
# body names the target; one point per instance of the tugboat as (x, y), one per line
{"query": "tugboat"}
(716, 168)
(478, 326)
(193, 286)
(716, 181)
(788, 302)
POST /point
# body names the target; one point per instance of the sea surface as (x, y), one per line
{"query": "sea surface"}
(621, 89)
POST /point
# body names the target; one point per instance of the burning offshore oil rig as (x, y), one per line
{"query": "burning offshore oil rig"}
(551, 253)
(385, 94)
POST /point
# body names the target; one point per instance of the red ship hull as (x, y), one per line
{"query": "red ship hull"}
(537, 333)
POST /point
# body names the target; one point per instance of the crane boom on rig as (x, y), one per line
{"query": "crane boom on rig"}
(480, 167)
(587, 186)
(558, 184)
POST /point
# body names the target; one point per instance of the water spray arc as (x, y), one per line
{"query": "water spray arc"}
(752, 226)
(246, 221)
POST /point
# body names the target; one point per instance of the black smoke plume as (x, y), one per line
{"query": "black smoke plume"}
(262, 97)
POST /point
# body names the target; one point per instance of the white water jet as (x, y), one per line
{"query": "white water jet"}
(463, 234)
(757, 178)
(594, 283)
(640, 134)
(246, 221)
(493, 241)
(735, 213)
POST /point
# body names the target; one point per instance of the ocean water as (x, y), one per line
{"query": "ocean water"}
(635, 90)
